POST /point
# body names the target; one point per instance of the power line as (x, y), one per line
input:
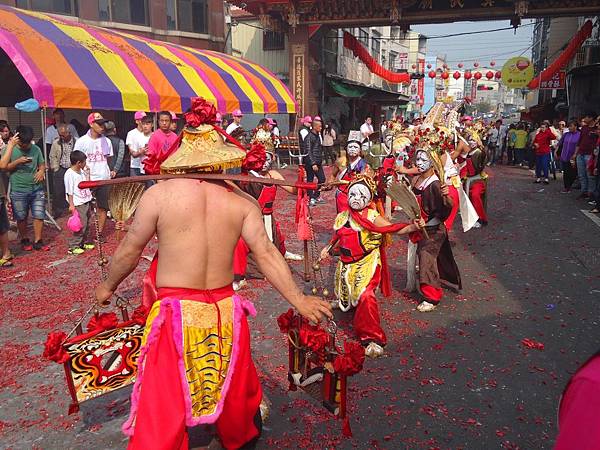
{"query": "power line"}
(391, 38)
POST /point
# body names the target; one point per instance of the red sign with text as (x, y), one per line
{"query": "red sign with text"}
(421, 83)
(558, 81)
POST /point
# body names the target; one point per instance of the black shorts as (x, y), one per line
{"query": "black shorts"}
(101, 195)
(4, 223)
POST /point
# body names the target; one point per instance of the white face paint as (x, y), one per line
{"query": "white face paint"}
(423, 162)
(359, 197)
(388, 142)
(268, 162)
(353, 149)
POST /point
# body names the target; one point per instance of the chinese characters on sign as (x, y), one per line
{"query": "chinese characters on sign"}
(421, 83)
(556, 82)
(298, 78)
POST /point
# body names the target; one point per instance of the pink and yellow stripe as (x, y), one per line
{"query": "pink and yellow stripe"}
(71, 65)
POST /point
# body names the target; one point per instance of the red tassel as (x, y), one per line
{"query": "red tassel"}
(346, 430)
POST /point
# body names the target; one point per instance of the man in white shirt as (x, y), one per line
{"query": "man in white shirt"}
(132, 136)
(98, 150)
(237, 122)
(366, 129)
(52, 131)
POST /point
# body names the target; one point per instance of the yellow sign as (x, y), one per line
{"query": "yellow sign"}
(517, 72)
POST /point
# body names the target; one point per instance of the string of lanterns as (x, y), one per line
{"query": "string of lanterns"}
(477, 75)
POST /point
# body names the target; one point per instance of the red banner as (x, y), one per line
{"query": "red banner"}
(351, 43)
(421, 83)
(568, 53)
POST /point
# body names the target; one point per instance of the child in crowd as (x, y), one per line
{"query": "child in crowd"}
(79, 200)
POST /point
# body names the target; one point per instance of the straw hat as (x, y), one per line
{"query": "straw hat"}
(202, 149)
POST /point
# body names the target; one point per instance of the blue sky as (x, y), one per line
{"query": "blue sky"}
(485, 47)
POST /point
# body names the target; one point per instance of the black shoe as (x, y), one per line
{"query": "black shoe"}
(39, 245)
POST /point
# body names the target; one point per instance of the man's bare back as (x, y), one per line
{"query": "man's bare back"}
(198, 225)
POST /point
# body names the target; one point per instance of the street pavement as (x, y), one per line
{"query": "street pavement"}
(459, 377)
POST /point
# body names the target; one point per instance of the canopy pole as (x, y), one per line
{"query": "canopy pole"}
(49, 218)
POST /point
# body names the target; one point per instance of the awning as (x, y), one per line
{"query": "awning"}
(351, 89)
(346, 90)
(72, 65)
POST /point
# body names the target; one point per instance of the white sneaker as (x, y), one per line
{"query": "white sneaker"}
(313, 202)
(374, 350)
(293, 256)
(476, 225)
(425, 307)
(238, 285)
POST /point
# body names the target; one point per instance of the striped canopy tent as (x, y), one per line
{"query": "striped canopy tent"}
(64, 63)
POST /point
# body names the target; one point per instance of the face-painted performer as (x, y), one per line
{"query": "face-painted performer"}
(473, 161)
(346, 168)
(362, 267)
(259, 163)
(195, 365)
(436, 261)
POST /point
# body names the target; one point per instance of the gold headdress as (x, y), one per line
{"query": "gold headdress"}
(366, 180)
(202, 148)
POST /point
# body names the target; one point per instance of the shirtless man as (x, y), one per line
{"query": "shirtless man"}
(198, 225)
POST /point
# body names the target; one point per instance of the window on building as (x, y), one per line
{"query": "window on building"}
(134, 12)
(376, 44)
(171, 15)
(273, 40)
(393, 61)
(68, 7)
(363, 36)
(192, 15)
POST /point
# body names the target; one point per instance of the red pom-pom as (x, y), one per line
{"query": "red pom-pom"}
(53, 348)
(201, 112)
(140, 314)
(287, 321)
(255, 157)
(351, 361)
(103, 322)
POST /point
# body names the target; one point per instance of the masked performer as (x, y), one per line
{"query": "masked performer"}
(474, 159)
(195, 365)
(259, 163)
(346, 168)
(362, 267)
(436, 261)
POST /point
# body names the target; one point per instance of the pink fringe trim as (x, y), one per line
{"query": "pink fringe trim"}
(241, 308)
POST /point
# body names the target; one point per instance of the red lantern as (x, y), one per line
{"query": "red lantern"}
(456, 75)
(429, 66)
(460, 65)
(477, 75)
(445, 75)
(431, 74)
(475, 64)
(414, 66)
(492, 63)
(498, 75)
(489, 75)
(468, 75)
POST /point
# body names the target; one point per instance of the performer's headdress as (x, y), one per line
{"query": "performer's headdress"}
(354, 136)
(361, 192)
(366, 180)
(202, 148)
(265, 138)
